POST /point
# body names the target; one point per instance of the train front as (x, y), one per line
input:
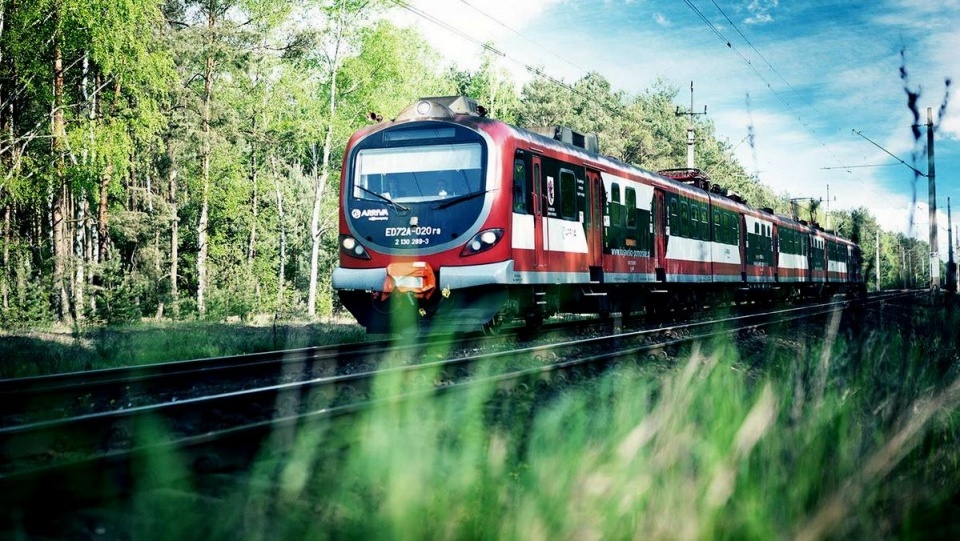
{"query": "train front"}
(420, 230)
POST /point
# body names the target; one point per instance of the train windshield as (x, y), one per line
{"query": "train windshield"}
(418, 173)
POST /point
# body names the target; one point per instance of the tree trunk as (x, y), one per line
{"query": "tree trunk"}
(60, 191)
(321, 179)
(281, 271)
(80, 239)
(4, 276)
(315, 233)
(254, 212)
(202, 239)
(174, 227)
(102, 214)
(5, 124)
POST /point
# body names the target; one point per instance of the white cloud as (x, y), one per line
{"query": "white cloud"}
(760, 11)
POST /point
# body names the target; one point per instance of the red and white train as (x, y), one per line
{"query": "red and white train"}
(452, 220)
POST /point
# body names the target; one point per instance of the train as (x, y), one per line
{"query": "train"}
(451, 220)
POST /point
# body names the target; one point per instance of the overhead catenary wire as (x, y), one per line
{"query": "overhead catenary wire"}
(487, 46)
(757, 72)
(760, 55)
(874, 143)
(521, 35)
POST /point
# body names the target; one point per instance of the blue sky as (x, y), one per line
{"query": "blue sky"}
(817, 71)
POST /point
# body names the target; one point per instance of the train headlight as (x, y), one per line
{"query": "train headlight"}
(482, 241)
(350, 247)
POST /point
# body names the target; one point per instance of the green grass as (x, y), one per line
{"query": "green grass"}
(40, 353)
(851, 434)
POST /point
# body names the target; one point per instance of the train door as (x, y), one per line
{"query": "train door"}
(660, 244)
(742, 229)
(594, 226)
(775, 255)
(539, 223)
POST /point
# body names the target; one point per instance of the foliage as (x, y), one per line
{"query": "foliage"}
(146, 198)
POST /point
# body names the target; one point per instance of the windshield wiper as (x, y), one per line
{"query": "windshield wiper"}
(459, 199)
(397, 206)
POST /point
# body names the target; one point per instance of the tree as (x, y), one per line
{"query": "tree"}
(343, 21)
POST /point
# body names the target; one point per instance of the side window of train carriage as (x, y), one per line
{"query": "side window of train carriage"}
(673, 219)
(537, 179)
(616, 210)
(630, 204)
(694, 221)
(568, 195)
(683, 226)
(520, 184)
(704, 223)
(716, 226)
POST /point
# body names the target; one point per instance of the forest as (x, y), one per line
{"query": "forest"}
(180, 159)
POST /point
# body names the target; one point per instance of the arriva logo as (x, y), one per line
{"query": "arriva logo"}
(368, 213)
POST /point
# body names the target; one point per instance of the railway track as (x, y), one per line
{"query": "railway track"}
(61, 396)
(93, 456)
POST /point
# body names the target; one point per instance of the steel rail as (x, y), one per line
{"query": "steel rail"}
(239, 429)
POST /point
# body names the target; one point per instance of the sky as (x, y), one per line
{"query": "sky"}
(804, 77)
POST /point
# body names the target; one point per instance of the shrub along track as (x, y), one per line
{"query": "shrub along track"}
(56, 465)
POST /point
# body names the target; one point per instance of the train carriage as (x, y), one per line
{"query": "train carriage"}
(451, 220)
(793, 266)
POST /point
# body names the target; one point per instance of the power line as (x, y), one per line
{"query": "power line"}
(767, 62)
(521, 35)
(914, 169)
(451, 28)
(756, 72)
(861, 166)
(532, 69)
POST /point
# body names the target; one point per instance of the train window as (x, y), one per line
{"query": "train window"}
(537, 182)
(716, 226)
(694, 221)
(683, 228)
(630, 201)
(519, 186)
(568, 194)
(673, 218)
(704, 223)
(411, 173)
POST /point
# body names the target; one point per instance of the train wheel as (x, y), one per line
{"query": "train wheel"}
(492, 327)
(532, 324)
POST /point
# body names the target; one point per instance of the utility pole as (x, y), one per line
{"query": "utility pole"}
(951, 266)
(903, 266)
(931, 183)
(828, 206)
(878, 259)
(690, 132)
